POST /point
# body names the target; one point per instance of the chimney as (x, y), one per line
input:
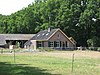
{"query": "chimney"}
(49, 29)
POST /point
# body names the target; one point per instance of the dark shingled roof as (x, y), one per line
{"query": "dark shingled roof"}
(2, 40)
(43, 35)
(28, 42)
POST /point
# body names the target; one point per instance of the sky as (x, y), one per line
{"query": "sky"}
(10, 6)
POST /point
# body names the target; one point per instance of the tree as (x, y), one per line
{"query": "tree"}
(77, 18)
(94, 42)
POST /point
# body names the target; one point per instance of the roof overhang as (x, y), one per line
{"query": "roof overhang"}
(17, 36)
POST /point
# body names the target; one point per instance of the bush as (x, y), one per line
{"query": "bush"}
(98, 49)
(93, 48)
(45, 49)
(94, 42)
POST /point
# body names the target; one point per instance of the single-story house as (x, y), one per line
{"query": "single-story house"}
(53, 38)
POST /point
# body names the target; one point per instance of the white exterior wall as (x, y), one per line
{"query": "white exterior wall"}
(34, 44)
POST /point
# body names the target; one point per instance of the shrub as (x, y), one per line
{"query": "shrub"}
(45, 49)
(93, 43)
(98, 49)
(93, 48)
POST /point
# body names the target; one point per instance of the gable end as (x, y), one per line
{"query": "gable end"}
(63, 34)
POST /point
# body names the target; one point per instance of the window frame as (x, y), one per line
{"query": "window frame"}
(39, 44)
(57, 44)
(51, 44)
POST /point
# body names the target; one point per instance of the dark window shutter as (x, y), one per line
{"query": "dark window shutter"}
(48, 43)
(37, 44)
(66, 43)
(60, 43)
(55, 44)
(42, 43)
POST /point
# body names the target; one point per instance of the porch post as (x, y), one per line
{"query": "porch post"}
(60, 45)
(35, 44)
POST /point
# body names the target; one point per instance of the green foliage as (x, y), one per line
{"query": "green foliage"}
(90, 42)
(94, 42)
(46, 49)
(17, 44)
(77, 18)
(98, 49)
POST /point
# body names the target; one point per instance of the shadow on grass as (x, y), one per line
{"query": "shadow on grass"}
(21, 69)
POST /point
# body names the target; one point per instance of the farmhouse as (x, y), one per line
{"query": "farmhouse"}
(54, 38)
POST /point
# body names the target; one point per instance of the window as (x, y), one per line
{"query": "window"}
(66, 43)
(43, 34)
(47, 34)
(57, 44)
(38, 35)
(51, 44)
(58, 36)
(39, 44)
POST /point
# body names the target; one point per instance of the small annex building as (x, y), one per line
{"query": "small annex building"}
(12, 39)
(52, 38)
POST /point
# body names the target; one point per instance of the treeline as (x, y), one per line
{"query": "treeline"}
(77, 18)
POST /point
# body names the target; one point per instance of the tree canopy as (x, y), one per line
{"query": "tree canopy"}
(77, 18)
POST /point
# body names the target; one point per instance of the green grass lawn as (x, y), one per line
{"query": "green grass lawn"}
(50, 63)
